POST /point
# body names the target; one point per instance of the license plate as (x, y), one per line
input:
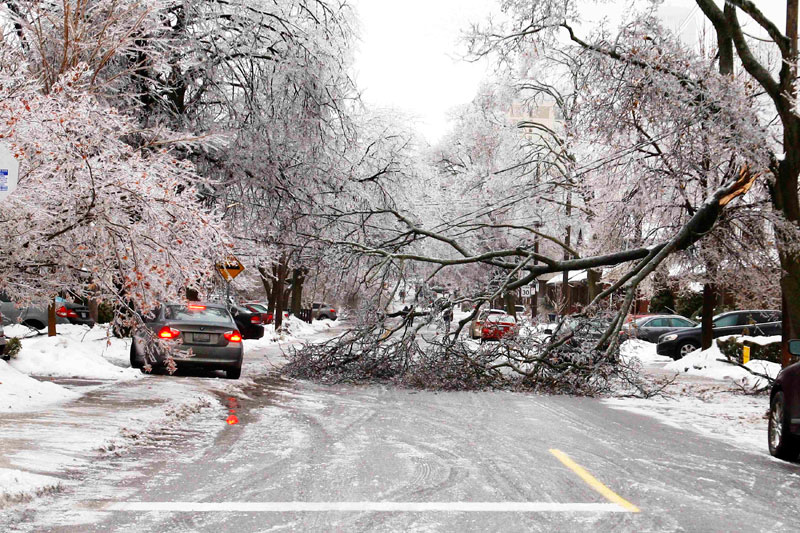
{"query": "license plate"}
(202, 337)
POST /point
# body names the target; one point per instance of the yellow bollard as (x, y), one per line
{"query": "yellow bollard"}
(745, 354)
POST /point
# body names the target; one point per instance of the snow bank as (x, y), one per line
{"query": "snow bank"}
(18, 392)
(76, 352)
(642, 350)
(294, 330)
(707, 363)
(17, 485)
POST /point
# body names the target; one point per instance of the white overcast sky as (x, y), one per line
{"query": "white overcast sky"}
(410, 57)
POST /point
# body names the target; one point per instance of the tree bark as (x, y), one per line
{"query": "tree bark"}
(298, 279)
(283, 270)
(709, 299)
(51, 319)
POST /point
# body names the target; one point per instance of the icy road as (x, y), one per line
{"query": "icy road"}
(305, 457)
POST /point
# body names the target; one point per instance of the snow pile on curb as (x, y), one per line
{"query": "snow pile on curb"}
(294, 330)
(642, 350)
(707, 363)
(19, 486)
(76, 352)
(18, 392)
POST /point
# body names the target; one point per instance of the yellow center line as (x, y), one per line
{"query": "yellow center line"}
(593, 482)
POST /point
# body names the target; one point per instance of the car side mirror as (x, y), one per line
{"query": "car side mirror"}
(794, 347)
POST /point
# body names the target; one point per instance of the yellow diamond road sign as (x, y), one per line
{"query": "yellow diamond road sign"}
(230, 268)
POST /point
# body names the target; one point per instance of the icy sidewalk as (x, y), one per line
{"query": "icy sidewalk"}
(708, 397)
(41, 449)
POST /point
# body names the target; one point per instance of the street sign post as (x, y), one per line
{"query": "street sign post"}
(229, 269)
(9, 172)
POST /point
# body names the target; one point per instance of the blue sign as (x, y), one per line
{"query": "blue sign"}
(3, 179)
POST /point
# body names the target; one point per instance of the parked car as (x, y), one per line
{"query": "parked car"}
(783, 428)
(207, 329)
(74, 313)
(496, 326)
(756, 322)
(322, 311)
(3, 340)
(31, 316)
(248, 322)
(258, 307)
(477, 323)
(651, 327)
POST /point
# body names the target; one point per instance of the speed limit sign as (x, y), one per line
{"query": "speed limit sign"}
(526, 291)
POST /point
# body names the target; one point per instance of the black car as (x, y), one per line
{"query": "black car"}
(783, 429)
(757, 322)
(650, 328)
(248, 322)
(75, 313)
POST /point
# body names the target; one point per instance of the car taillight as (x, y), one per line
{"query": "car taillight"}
(197, 307)
(63, 312)
(233, 336)
(169, 333)
(269, 318)
(333, 310)
(255, 319)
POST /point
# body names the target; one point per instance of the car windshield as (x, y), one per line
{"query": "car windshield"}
(197, 312)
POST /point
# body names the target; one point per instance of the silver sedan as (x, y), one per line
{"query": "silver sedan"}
(204, 335)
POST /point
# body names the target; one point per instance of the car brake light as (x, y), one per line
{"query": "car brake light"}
(333, 310)
(63, 312)
(255, 319)
(169, 333)
(197, 307)
(233, 336)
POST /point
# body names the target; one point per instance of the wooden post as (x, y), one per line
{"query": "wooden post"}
(51, 318)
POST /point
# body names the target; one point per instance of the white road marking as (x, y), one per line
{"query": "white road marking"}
(388, 507)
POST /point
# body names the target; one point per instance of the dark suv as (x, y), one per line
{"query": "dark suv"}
(784, 410)
(759, 322)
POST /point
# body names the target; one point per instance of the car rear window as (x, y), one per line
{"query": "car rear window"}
(206, 314)
(501, 318)
(258, 307)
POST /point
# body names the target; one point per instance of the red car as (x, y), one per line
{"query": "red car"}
(497, 326)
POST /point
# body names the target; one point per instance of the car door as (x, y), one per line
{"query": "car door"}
(652, 329)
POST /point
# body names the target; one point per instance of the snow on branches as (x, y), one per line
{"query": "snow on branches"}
(90, 208)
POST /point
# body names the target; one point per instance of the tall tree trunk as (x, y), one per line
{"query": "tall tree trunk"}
(709, 300)
(283, 270)
(51, 319)
(535, 283)
(298, 278)
(784, 192)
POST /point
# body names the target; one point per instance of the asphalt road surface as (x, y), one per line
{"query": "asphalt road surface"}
(307, 457)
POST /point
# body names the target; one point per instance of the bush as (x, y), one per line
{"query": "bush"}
(732, 349)
(13, 346)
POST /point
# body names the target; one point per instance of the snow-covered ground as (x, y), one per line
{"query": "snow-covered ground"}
(708, 396)
(55, 427)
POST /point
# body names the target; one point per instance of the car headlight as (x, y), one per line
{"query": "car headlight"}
(670, 337)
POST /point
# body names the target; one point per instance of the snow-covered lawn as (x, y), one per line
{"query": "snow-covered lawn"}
(708, 396)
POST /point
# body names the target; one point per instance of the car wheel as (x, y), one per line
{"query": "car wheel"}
(134, 357)
(33, 324)
(686, 348)
(233, 373)
(782, 444)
